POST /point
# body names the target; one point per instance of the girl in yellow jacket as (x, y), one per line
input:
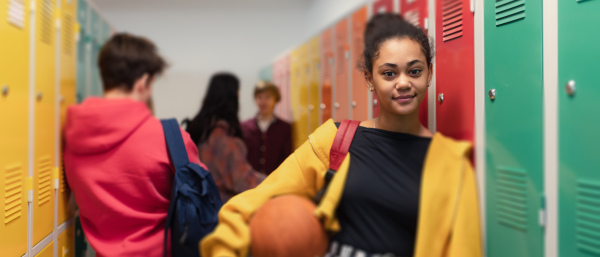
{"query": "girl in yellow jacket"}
(401, 190)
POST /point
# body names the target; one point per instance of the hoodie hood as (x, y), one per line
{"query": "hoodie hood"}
(98, 125)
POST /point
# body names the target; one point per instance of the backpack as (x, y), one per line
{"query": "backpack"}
(195, 199)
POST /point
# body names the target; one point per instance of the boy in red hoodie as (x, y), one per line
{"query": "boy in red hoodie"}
(116, 158)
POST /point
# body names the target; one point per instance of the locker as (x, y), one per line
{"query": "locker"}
(14, 113)
(455, 69)
(360, 93)
(327, 77)
(66, 242)
(83, 50)
(106, 32)
(295, 97)
(341, 106)
(415, 12)
(48, 251)
(281, 78)
(302, 107)
(579, 180)
(96, 45)
(266, 73)
(514, 127)
(44, 102)
(380, 6)
(67, 96)
(314, 59)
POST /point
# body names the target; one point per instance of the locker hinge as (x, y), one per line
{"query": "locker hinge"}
(55, 173)
(58, 15)
(29, 188)
(472, 5)
(543, 215)
(77, 32)
(426, 22)
(32, 7)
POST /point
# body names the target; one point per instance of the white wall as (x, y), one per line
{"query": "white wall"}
(324, 13)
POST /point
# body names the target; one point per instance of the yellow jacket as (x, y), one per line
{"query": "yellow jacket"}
(448, 209)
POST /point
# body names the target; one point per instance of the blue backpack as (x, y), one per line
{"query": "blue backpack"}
(195, 199)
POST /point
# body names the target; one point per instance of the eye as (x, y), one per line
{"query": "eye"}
(415, 72)
(389, 74)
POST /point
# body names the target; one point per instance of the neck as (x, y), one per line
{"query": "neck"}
(119, 94)
(265, 116)
(408, 124)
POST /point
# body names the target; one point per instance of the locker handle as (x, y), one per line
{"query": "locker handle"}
(5, 90)
(311, 107)
(353, 104)
(492, 94)
(323, 106)
(374, 102)
(570, 87)
(336, 105)
(39, 96)
(441, 97)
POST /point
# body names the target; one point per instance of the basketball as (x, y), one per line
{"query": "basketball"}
(286, 226)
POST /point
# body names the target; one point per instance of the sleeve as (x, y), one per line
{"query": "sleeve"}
(297, 175)
(466, 230)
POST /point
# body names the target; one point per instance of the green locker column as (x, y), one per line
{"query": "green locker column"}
(82, 50)
(96, 42)
(514, 127)
(266, 73)
(579, 148)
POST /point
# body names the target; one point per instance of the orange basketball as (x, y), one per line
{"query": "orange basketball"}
(286, 226)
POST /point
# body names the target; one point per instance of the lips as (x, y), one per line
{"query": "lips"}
(404, 97)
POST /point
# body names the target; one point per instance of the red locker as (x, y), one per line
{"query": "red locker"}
(326, 73)
(415, 12)
(281, 78)
(455, 69)
(360, 95)
(380, 6)
(341, 106)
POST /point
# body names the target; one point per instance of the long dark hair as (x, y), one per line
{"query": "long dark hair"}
(220, 103)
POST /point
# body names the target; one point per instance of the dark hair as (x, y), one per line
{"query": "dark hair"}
(266, 86)
(125, 58)
(220, 103)
(386, 26)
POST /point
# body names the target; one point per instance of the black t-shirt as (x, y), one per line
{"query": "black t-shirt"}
(379, 208)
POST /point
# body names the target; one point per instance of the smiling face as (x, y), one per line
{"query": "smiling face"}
(400, 76)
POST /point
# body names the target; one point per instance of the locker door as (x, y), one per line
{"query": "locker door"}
(514, 127)
(266, 73)
(380, 6)
(341, 106)
(360, 93)
(303, 80)
(14, 113)
(455, 69)
(327, 65)
(83, 53)
(313, 85)
(579, 180)
(67, 96)
(44, 119)
(295, 97)
(48, 251)
(415, 12)
(96, 40)
(66, 242)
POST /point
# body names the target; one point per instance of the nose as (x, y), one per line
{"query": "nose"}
(403, 83)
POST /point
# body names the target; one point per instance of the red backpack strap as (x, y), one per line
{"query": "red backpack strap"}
(339, 150)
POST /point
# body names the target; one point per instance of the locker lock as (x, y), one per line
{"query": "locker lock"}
(323, 106)
(441, 98)
(5, 90)
(492, 94)
(375, 102)
(353, 104)
(570, 87)
(336, 105)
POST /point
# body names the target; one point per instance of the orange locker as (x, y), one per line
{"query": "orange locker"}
(341, 106)
(44, 103)
(327, 64)
(380, 6)
(360, 94)
(314, 76)
(14, 137)
(66, 242)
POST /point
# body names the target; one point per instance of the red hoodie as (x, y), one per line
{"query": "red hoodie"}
(117, 164)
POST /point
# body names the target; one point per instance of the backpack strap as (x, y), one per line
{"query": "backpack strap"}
(179, 158)
(339, 150)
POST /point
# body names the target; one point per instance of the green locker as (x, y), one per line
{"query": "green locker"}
(579, 180)
(96, 45)
(514, 127)
(82, 50)
(106, 32)
(266, 73)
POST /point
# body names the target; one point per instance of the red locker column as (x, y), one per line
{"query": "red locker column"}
(379, 7)
(360, 95)
(341, 107)
(326, 74)
(455, 69)
(415, 12)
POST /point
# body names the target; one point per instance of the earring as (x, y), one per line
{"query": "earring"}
(429, 84)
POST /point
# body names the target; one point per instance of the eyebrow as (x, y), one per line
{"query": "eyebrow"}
(396, 66)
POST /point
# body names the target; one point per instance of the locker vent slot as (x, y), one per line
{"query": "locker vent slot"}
(508, 11)
(452, 19)
(13, 193)
(16, 13)
(47, 21)
(512, 198)
(63, 182)
(44, 180)
(341, 59)
(68, 35)
(412, 17)
(588, 216)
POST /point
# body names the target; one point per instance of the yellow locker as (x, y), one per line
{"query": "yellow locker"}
(301, 110)
(44, 103)
(294, 97)
(48, 251)
(314, 56)
(67, 97)
(66, 242)
(14, 113)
